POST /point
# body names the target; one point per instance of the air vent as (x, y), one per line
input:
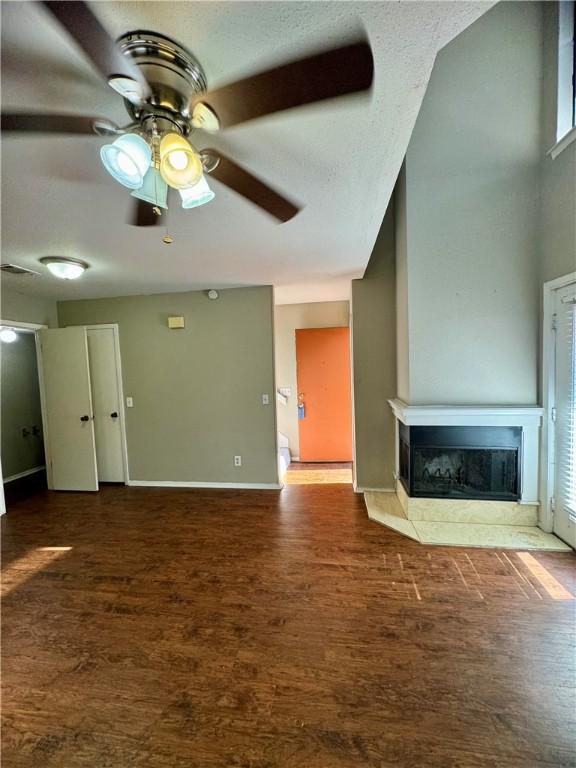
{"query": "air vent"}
(14, 269)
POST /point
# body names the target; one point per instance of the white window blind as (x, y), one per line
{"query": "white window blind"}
(566, 404)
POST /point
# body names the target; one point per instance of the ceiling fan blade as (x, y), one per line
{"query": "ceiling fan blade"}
(244, 183)
(337, 72)
(22, 122)
(83, 26)
(143, 215)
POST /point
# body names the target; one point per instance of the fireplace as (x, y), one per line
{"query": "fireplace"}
(461, 462)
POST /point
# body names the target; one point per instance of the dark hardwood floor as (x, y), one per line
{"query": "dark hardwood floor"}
(198, 629)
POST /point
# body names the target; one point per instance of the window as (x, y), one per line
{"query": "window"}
(566, 119)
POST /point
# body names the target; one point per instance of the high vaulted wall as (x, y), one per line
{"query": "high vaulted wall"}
(558, 180)
(197, 391)
(468, 219)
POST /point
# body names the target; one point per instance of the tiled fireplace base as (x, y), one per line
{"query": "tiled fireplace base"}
(467, 511)
(385, 508)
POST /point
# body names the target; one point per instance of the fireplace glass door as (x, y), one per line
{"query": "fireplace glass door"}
(470, 473)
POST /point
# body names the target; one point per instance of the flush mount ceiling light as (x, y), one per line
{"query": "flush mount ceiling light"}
(166, 96)
(66, 269)
(8, 335)
(197, 195)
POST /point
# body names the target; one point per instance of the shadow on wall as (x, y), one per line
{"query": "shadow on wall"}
(374, 363)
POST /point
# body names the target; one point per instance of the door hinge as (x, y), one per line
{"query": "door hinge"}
(552, 505)
(554, 322)
(553, 413)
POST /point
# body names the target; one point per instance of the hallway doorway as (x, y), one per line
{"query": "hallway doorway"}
(300, 473)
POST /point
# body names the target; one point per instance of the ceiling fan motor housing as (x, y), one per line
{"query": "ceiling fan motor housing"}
(174, 75)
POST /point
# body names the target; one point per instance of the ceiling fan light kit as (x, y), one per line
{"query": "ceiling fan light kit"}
(154, 189)
(166, 95)
(127, 159)
(197, 195)
(180, 164)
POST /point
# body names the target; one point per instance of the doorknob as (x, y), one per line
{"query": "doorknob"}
(84, 418)
(114, 415)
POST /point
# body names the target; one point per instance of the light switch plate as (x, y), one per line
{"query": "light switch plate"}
(265, 400)
(129, 402)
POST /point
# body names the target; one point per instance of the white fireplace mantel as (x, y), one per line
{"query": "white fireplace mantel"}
(466, 415)
(527, 417)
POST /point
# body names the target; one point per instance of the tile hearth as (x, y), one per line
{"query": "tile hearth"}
(385, 508)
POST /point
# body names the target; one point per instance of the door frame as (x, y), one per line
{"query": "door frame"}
(120, 389)
(548, 389)
(35, 327)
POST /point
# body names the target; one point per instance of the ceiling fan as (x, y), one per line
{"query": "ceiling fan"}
(167, 98)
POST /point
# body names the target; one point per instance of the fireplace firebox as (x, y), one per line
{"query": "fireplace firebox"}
(472, 462)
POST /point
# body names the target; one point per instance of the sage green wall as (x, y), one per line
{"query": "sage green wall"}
(472, 212)
(20, 396)
(197, 391)
(27, 309)
(374, 363)
(287, 318)
(558, 222)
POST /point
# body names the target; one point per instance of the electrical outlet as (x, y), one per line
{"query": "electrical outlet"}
(237, 461)
(265, 400)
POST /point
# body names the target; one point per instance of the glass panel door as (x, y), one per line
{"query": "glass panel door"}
(565, 428)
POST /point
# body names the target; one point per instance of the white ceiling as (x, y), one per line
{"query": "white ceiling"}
(340, 159)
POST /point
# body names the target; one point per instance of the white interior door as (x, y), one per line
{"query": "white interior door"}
(105, 398)
(68, 410)
(565, 425)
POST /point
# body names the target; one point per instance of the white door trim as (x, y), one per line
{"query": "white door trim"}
(29, 327)
(548, 386)
(118, 361)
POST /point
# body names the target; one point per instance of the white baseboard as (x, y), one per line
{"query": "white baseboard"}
(194, 484)
(24, 474)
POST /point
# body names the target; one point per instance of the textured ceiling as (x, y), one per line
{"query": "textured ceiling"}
(340, 159)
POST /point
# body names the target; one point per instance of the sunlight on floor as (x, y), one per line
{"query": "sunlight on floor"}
(26, 566)
(550, 584)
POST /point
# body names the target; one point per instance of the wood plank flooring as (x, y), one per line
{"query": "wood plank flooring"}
(159, 628)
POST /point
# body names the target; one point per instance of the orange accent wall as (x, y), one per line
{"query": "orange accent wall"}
(323, 374)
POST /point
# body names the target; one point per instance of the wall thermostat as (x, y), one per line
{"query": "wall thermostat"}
(176, 322)
(212, 294)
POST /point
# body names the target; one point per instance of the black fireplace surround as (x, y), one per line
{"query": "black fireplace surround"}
(461, 462)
